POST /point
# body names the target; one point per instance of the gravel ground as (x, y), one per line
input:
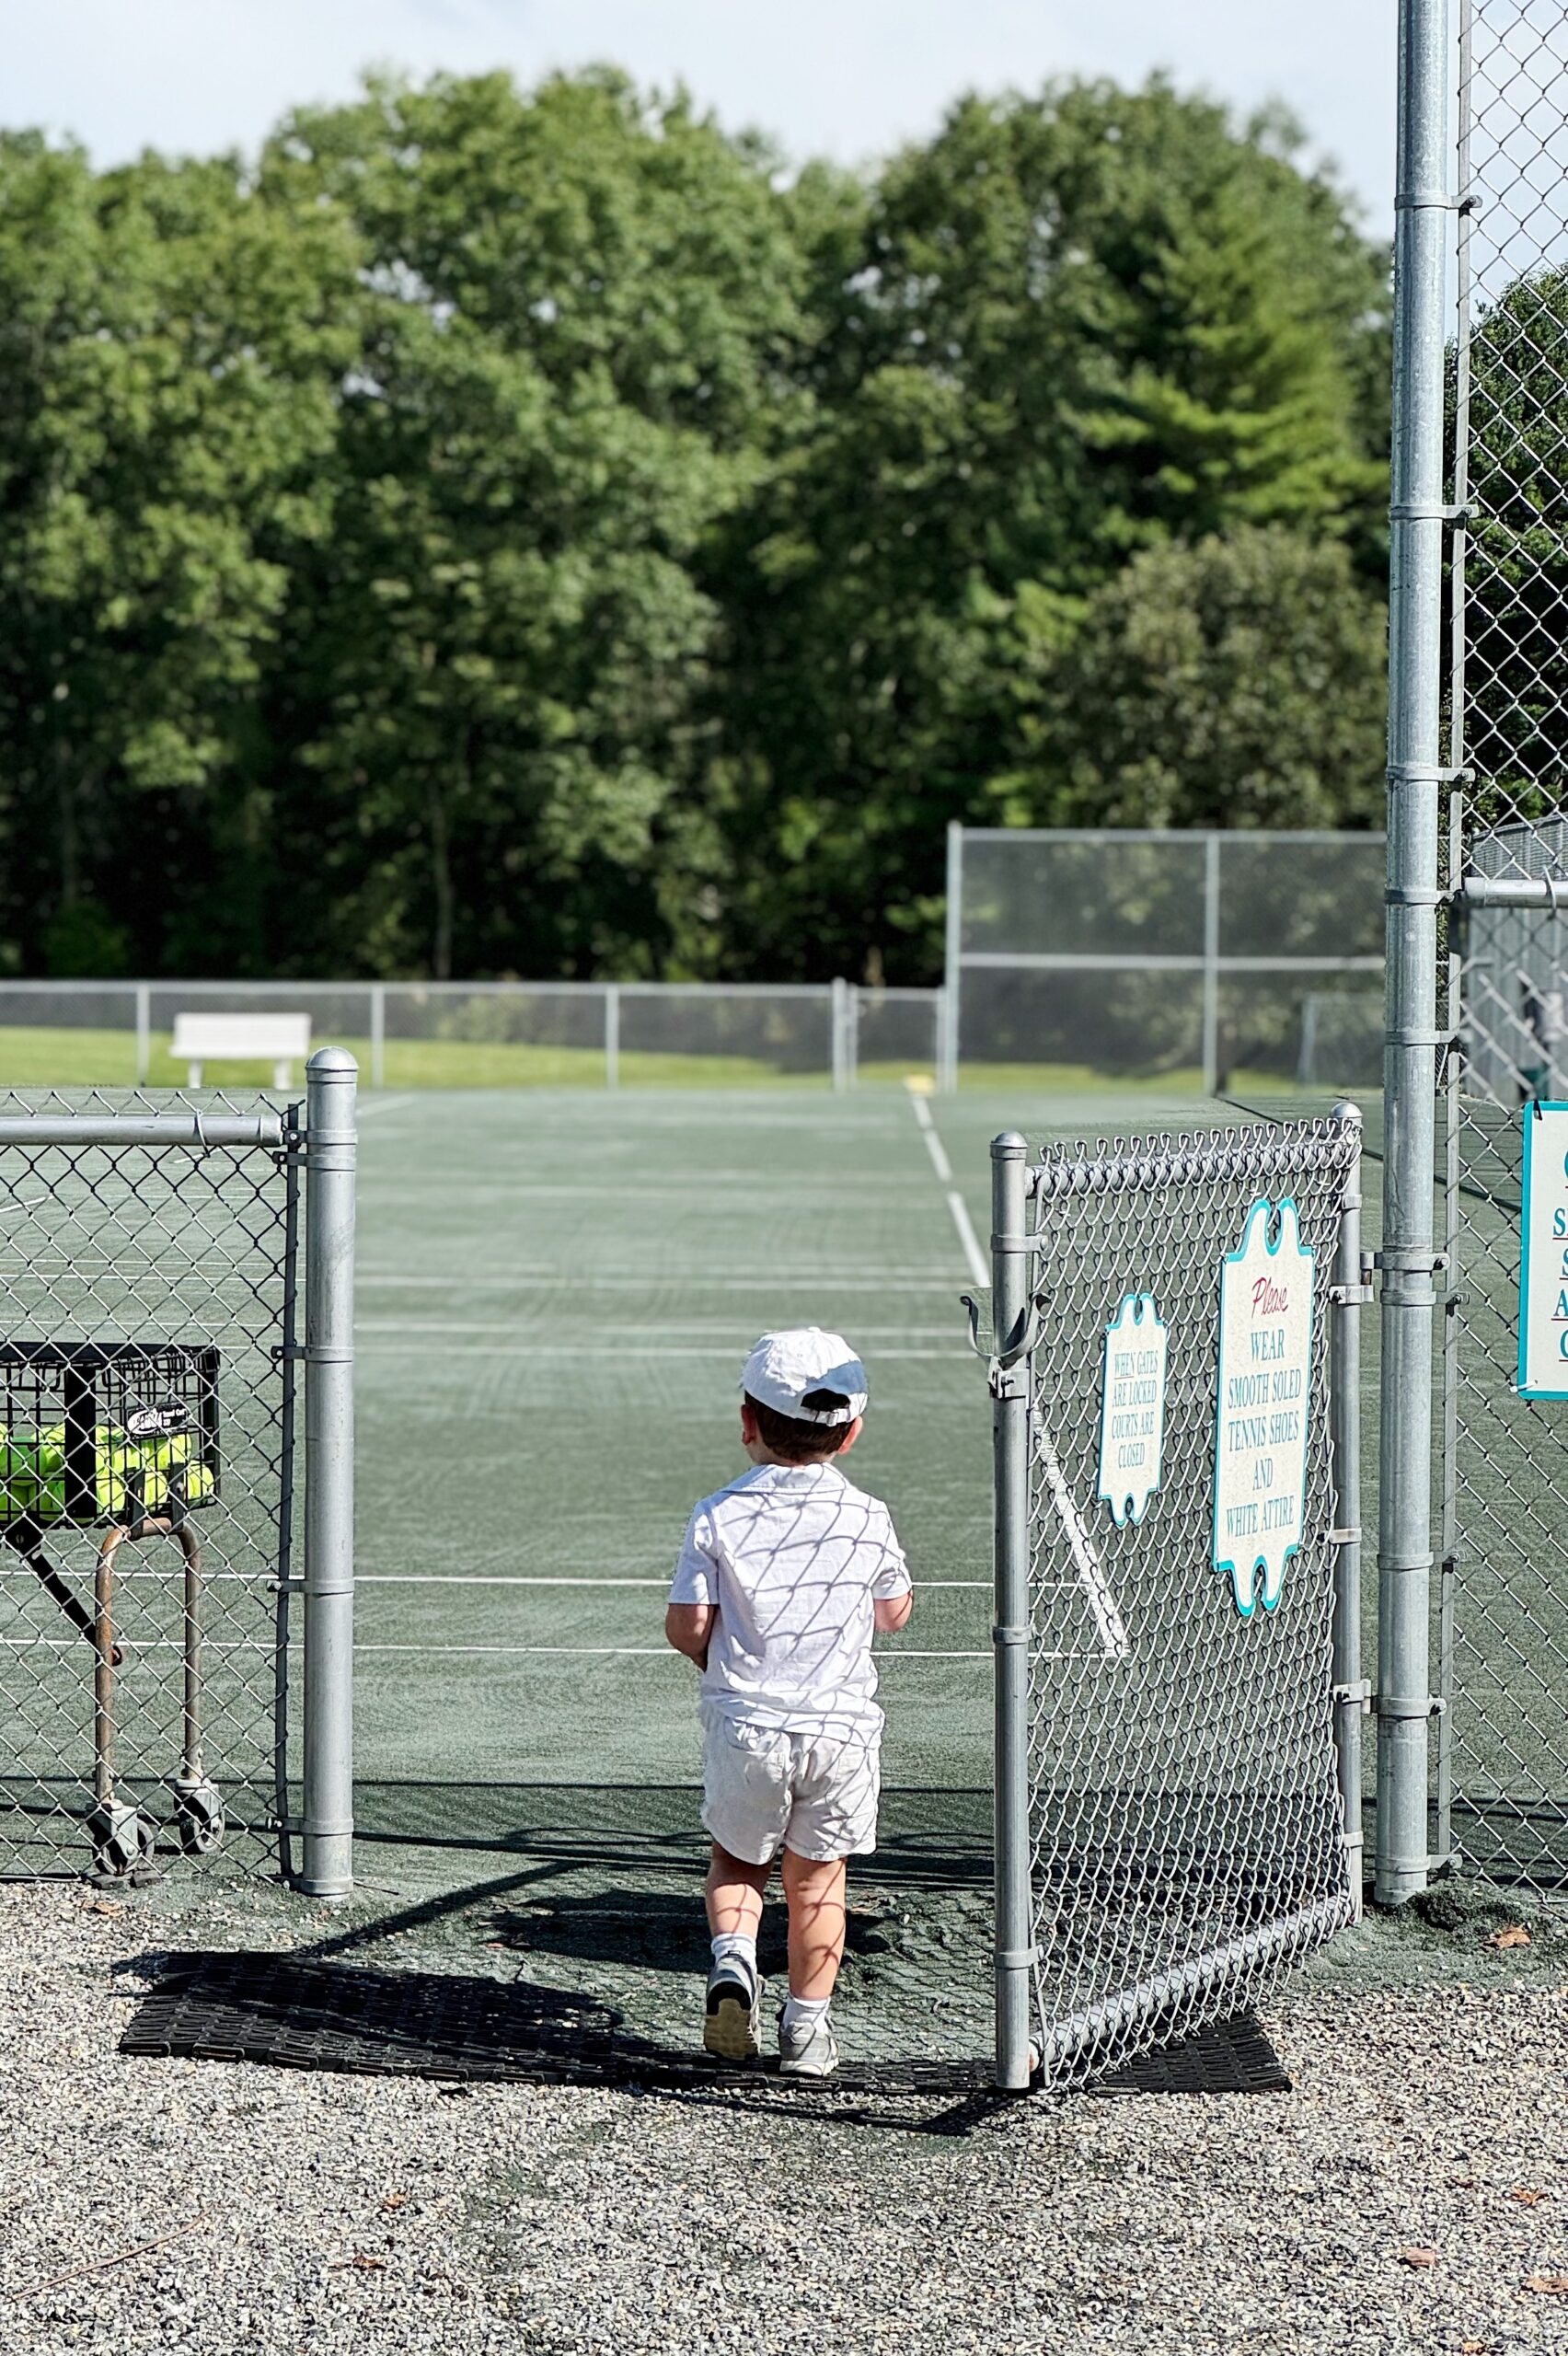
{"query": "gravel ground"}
(1406, 2196)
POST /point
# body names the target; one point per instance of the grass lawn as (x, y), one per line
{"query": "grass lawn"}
(53, 1057)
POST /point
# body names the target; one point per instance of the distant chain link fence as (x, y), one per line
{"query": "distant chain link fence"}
(1188, 1835)
(1193, 958)
(148, 1313)
(1502, 1633)
(493, 1034)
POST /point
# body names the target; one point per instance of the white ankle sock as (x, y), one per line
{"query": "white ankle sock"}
(734, 1946)
(805, 2011)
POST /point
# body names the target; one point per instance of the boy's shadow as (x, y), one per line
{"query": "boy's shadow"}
(655, 1929)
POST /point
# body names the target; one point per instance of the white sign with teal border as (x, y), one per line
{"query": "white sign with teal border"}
(1265, 1375)
(1543, 1254)
(1131, 1408)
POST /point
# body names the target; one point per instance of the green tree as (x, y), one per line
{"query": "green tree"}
(578, 308)
(1076, 328)
(172, 349)
(1239, 682)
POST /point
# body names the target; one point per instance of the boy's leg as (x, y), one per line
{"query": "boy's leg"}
(733, 1891)
(733, 2013)
(815, 1889)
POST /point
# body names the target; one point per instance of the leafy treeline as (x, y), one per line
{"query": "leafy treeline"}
(531, 532)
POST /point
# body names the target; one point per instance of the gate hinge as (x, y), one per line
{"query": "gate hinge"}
(287, 1352)
(1350, 1535)
(1360, 1693)
(1349, 1296)
(1409, 1705)
(285, 1586)
(1410, 1260)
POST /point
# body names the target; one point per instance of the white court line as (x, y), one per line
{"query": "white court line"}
(934, 1146)
(938, 1280)
(1109, 1626)
(610, 1652)
(438, 1349)
(678, 1335)
(967, 1237)
(594, 1578)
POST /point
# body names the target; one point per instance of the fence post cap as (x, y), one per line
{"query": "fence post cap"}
(1007, 1147)
(332, 1063)
(1348, 1111)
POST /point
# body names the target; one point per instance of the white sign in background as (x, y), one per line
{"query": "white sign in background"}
(1265, 1373)
(1543, 1254)
(1131, 1408)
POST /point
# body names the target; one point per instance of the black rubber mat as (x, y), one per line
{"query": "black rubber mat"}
(1235, 2058)
(301, 2015)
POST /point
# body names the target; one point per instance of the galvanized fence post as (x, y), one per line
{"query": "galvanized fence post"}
(947, 1075)
(143, 1033)
(1352, 1692)
(839, 1029)
(1415, 777)
(378, 1035)
(612, 1034)
(1210, 1050)
(328, 1828)
(1009, 1635)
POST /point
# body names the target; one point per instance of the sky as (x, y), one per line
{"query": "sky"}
(847, 78)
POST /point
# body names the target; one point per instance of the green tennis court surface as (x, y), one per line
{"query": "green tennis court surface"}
(555, 1296)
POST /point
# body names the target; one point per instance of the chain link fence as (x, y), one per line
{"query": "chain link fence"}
(490, 1035)
(1502, 1608)
(167, 1268)
(148, 1310)
(1192, 1829)
(1189, 958)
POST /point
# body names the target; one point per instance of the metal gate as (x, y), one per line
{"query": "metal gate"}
(1501, 1617)
(1175, 1822)
(151, 1337)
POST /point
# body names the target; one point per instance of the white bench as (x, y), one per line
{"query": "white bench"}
(281, 1040)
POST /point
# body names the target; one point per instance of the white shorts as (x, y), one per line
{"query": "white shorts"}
(816, 1793)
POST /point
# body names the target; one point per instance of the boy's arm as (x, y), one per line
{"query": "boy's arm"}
(693, 1604)
(688, 1627)
(893, 1597)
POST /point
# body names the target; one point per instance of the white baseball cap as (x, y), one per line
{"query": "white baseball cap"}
(813, 1376)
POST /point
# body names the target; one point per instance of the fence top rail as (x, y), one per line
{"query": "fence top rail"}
(1109, 835)
(1263, 1150)
(250, 988)
(200, 1131)
(1107, 961)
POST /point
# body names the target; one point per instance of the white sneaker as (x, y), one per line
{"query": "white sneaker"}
(731, 2024)
(808, 2050)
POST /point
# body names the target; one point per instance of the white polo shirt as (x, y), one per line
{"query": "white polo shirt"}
(794, 1556)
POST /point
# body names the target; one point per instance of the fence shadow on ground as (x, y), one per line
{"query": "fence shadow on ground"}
(302, 2011)
(652, 1927)
(930, 1839)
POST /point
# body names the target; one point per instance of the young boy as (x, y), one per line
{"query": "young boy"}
(782, 1579)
